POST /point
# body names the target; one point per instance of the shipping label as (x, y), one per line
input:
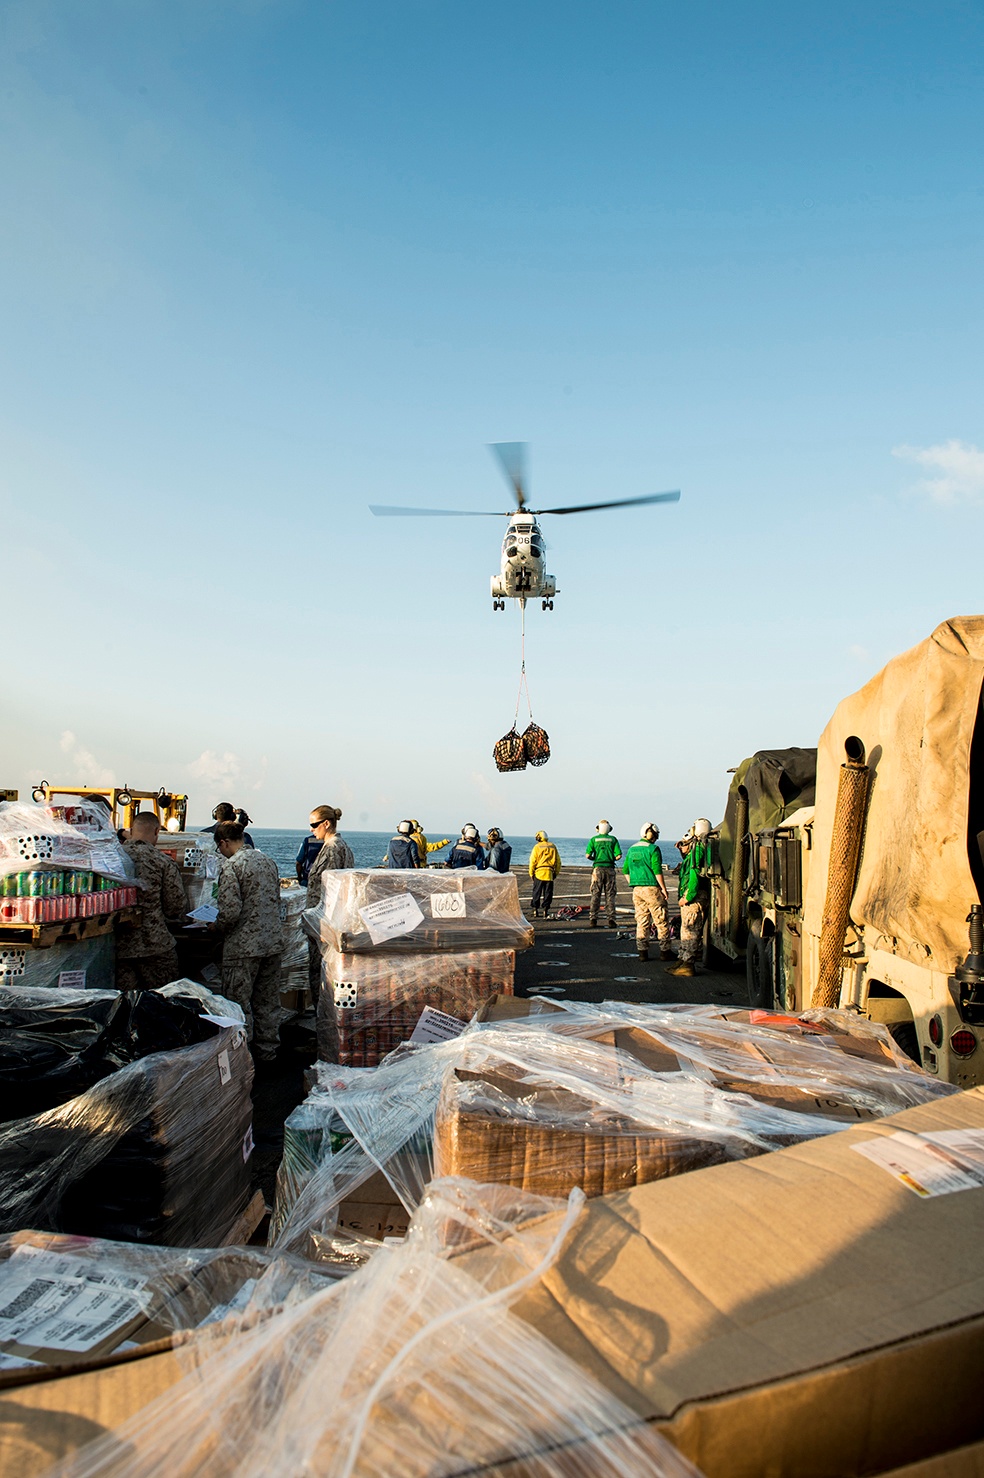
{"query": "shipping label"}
(437, 1026)
(391, 917)
(932, 1164)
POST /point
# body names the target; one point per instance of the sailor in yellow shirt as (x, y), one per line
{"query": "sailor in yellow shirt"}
(423, 845)
(544, 867)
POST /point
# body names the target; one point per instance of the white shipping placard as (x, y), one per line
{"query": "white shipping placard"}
(71, 979)
(55, 1302)
(391, 917)
(331, 886)
(437, 1026)
(930, 1165)
(225, 1071)
(448, 906)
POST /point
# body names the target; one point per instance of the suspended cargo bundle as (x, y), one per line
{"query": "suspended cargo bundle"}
(536, 745)
(509, 752)
(514, 751)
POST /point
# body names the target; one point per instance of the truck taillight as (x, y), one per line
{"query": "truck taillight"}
(963, 1043)
(936, 1030)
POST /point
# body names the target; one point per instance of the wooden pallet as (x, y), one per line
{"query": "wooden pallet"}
(240, 1232)
(43, 936)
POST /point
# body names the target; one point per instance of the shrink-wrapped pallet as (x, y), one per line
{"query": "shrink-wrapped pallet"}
(124, 1141)
(294, 958)
(395, 911)
(588, 1096)
(414, 1366)
(378, 998)
(78, 839)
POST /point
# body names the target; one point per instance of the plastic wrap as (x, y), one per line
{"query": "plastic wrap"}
(77, 838)
(428, 909)
(65, 1298)
(294, 959)
(416, 1366)
(157, 1149)
(86, 964)
(379, 998)
(587, 1096)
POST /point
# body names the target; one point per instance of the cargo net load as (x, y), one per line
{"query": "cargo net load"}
(59, 863)
(125, 1116)
(416, 1365)
(597, 1097)
(393, 911)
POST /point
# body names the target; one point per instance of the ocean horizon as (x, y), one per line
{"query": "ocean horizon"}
(369, 847)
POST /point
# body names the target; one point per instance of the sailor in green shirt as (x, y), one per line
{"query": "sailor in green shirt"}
(644, 870)
(603, 851)
(695, 896)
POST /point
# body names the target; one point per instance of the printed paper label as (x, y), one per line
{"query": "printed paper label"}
(247, 1144)
(225, 1071)
(930, 1164)
(71, 979)
(206, 913)
(391, 917)
(448, 906)
(331, 886)
(56, 1302)
(437, 1026)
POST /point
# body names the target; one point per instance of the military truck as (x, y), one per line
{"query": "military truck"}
(867, 894)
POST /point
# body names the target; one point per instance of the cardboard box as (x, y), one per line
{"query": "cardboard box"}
(803, 1313)
(965, 1462)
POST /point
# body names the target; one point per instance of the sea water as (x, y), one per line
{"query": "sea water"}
(369, 847)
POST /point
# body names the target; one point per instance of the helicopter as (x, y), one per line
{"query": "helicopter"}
(522, 570)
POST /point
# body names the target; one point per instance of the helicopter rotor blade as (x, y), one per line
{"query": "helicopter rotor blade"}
(673, 497)
(384, 511)
(512, 459)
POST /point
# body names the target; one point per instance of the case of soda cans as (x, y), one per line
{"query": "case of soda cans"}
(379, 999)
(59, 863)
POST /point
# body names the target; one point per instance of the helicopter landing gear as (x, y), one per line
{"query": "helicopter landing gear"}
(498, 605)
(548, 605)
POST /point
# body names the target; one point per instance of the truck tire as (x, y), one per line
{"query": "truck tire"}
(760, 969)
(906, 1039)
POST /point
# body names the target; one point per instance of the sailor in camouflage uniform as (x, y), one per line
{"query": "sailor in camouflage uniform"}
(145, 955)
(335, 853)
(249, 918)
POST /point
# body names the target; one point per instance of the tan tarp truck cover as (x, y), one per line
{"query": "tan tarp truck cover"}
(916, 719)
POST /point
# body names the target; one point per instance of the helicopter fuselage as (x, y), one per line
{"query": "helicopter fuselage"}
(523, 571)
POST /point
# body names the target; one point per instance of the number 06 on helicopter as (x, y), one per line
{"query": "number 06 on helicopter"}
(522, 570)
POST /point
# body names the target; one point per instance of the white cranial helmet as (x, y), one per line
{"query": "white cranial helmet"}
(701, 828)
(405, 828)
(470, 832)
(650, 829)
(604, 827)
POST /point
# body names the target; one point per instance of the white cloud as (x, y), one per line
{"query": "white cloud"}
(86, 769)
(216, 770)
(960, 468)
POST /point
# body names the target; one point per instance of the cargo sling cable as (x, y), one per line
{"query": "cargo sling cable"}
(514, 751)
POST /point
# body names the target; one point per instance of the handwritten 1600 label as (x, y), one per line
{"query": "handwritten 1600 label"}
(448, 906)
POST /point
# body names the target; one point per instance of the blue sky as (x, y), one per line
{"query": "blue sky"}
(264, 264)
